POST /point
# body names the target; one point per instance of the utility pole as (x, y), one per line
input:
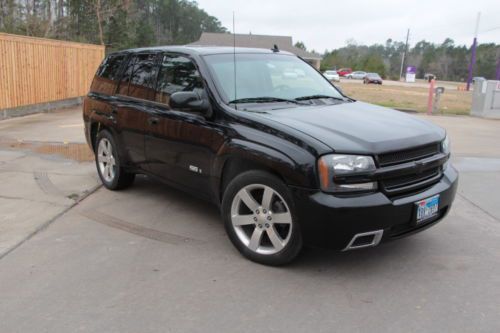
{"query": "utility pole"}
(497, 77)
(404, 55)
(473, 53)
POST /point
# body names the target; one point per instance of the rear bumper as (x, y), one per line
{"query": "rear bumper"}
(331, 221)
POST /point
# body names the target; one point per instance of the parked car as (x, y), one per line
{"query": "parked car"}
(358, 75)
(372, 78)
(332, 76)
(344, 71)
(286, 163)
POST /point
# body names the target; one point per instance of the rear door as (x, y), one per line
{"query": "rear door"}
(181, 145)
(133, 103)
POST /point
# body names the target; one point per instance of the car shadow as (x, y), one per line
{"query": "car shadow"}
(369, 260)
(147, 187)
(363, 261)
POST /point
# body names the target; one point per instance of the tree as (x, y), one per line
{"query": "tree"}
(300, 45)
(446, 60)
(117, 24)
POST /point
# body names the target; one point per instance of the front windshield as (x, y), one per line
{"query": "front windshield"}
(267, 75)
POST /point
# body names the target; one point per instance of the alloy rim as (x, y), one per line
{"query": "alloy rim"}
(106, 160)
(261, 219)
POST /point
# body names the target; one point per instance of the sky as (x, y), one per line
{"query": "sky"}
(328, 24)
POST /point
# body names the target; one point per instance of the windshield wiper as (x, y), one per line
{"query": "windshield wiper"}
(305, 98)
(264, 99)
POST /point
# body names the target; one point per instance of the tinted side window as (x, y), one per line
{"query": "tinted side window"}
(177, 73)
(107, 74)
(124, 83)
(109, 68)
(139, 76)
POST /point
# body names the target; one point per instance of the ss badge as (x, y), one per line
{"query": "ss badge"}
(194, 169)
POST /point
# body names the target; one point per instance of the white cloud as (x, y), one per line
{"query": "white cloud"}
(328, 24)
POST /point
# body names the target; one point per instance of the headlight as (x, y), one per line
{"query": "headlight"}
(445, 149)
(445, 145)
(335, 165)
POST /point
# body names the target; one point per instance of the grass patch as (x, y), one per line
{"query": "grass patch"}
(411, 98)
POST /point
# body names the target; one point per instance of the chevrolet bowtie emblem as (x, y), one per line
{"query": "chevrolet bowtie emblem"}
(419, 166)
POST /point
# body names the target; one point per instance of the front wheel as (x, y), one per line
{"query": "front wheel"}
(260, 219)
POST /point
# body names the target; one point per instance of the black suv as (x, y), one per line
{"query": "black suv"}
(288, 158)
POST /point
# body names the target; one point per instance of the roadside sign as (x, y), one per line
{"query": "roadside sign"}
(411, 72)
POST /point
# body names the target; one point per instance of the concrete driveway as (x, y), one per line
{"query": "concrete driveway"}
(152, 259)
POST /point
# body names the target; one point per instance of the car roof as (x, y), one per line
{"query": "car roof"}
(203, 50)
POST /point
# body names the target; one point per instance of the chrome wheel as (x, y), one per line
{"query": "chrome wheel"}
(261, 219)
(106, 160)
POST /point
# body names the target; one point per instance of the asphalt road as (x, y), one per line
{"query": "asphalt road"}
(152, 259)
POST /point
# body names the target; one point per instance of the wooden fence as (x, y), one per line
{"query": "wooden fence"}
(37, 70)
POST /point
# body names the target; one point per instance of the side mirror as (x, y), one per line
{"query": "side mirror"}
(189, 101)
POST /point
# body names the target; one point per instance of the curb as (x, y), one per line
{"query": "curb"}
(47, 107)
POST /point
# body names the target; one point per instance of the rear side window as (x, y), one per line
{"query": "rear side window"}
(110, 67)
(177, 73)
(139, 77)
(107, 75)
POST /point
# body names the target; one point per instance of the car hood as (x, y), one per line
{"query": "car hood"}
(357, 127)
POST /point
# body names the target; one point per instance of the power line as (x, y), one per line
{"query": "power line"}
(488, 30)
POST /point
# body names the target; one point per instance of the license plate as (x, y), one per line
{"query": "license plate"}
(427, 208)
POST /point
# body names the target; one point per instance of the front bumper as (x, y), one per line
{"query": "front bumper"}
(331, 221)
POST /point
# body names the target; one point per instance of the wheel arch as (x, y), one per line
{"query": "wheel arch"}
(95, 128)
(240, 156)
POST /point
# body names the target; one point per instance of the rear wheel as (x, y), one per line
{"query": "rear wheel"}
(109, 167)
(260, 220)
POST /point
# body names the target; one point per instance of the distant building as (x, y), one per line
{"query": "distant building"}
(258, 41)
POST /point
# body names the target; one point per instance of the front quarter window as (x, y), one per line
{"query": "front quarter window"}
(177, 73)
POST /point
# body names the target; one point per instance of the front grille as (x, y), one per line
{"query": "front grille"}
(397, 183)
(408, 155)
(413, 182)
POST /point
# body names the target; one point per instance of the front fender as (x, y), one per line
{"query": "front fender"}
(293, 172)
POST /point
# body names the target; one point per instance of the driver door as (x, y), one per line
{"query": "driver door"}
(181, 145)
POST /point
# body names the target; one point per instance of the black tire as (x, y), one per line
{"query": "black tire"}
(257, 177)
(121, 178)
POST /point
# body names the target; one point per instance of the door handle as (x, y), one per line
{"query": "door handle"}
(113, 114)
(153, 121)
